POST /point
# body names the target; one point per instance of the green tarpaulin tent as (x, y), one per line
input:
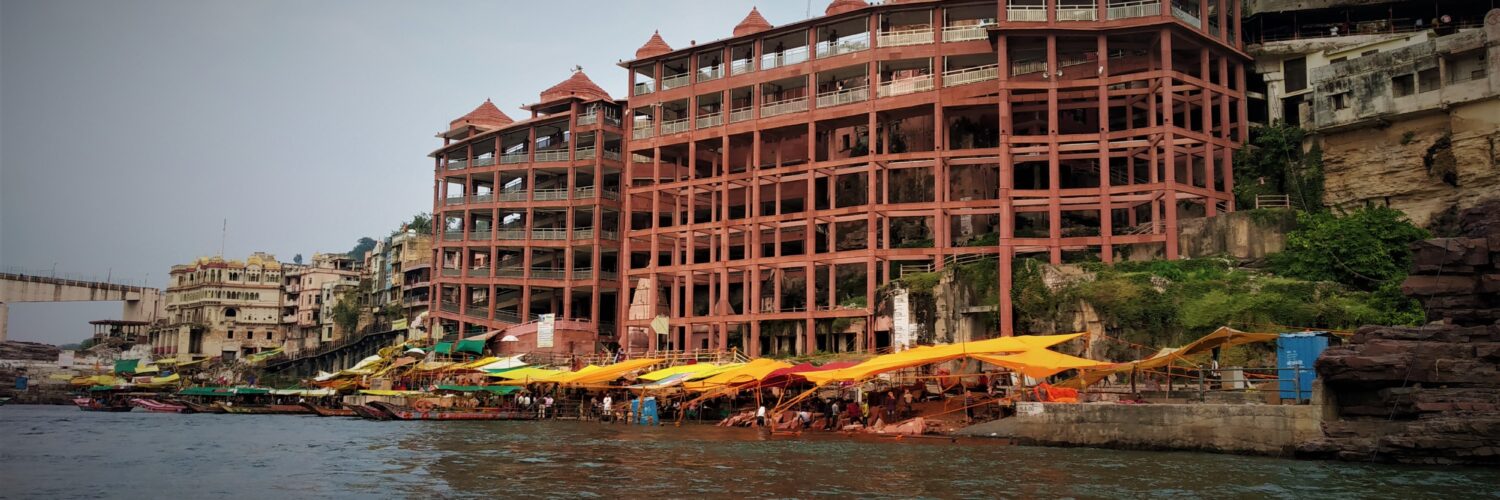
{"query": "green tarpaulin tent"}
(126, 365)
(496, 389)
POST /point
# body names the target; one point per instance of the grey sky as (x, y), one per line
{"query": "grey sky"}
(130, 129)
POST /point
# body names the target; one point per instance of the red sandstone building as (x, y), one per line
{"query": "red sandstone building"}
(777, 179)
(527, 215)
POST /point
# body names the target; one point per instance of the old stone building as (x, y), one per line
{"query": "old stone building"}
(218, 307)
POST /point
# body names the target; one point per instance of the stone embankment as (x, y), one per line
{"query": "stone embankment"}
(1253, 429)
(1428, 394)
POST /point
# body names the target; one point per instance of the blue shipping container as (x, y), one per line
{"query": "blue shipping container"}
(1295, 354)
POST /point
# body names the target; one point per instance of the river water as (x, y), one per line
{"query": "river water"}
(60, 452)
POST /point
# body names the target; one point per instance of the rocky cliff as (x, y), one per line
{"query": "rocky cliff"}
(1428, 394)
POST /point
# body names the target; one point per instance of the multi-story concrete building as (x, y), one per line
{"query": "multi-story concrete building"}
(781, 176)
(398, 269)
(309, 293)
(529, 220)
(222, 308)
(1417, 127)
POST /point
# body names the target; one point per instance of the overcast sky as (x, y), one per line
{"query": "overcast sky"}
(130, 130)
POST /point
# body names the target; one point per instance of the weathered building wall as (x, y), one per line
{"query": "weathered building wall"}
(1252, 429)
(1244, 236)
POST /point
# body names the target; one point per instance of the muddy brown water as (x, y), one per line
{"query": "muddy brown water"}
(60, 452)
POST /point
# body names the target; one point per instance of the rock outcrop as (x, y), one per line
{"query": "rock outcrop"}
(1428, 394)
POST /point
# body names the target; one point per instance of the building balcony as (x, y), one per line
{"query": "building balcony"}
(543, 273)
(675, 81)
(779, 108)
(1137, 8)
(479, 235)
(583, 233)
(966, 76)
(643, 88)
(453, 235)
(901, 38)
(588, 118)
(587, 153)
(510, 272)
(1026, 13)
(741, 115)
(586, 273)
(711, 73)
(709, 121)
(642, 131)
(675, 126)
(477, 311)
(453, 200)
(842, 97)
(906, 86)
(549, 194)
(482, 272)
(1188, 17)
(482, 198)
(968, 32)
(451, 272)
(741, 66)
(449, 307)
(457, 165)
(511, 234)
(508, 316)
(513, 195)
(846, 45)
(1078, 12)
(611, 155)
(551, 155)
(1028, 67)
(514, 158)
(783, 58)
(484, 162)
(549, 233)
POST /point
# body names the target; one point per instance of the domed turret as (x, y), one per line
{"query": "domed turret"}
(653, 47)
(753, 23)
(486, 115)
(578, 85)
(841, 6)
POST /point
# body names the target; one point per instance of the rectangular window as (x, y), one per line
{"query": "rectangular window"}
(1295, 73)
(1428, 80)
(1340, 100)
(1403, 85)
(230, 334)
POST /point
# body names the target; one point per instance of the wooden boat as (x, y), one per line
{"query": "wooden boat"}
(203, 408)
(408, 413)
(155, 406)
(265, 409)
(330, 412)
(3, 401)
(91, 404)
(370, 412)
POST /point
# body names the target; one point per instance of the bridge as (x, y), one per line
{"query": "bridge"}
(141, 303)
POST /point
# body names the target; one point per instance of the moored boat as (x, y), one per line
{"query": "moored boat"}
(264, 409)
(203, 407)
(91, 404)
(330, 412)
(370, 412)
(3, 401)
(155, 406)
(408, 413)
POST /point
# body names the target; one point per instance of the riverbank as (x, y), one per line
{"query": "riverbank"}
(54, 452)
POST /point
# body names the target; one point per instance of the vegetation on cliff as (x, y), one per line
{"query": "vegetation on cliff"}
(1273, 163)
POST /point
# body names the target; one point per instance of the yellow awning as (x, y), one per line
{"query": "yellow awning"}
(161, 381)
(144, 369)
(529, 373)
(927, 355)
(474, 365)
(1040, 363)
(676, 370)
(607, 373)
(1223, 337)
(429, 366)
(753, 371)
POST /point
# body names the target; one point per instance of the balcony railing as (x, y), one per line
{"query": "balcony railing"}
(611, 155)
(741, 66)
(1027, 67)
(1188, 17)
(482, 198)
(515, 195)
(483, 272)
(553, 155)
(510, 272)
(511, 234)
(676, 126)
(479, 235)
(586, 273)
(588, 118)
(713, 120)
(609, 275)
(842, 97)
(449, 307)
(976, 74)
(477, 311)
(900, 38)
(711, 73)
(643, 88)
(583, 193)
(845, 45)
(507, 316)
(515, 158)
(449, 272)
(609, 235)
(543, 273)
(1026, 13)
(642, 131)
(968, 32)
(1077, 13)
(1139, 8)
(584, 153)
(484, 161)
(783, 107)
(549, 194)
(453, 236)
(458, 165)
(778, 59)
(549, 233)
(675, 81)
(583, 233)
(453, 200)
(742, 114)
(906, 86)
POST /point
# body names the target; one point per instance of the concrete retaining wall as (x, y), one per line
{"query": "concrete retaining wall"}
(1250, 429)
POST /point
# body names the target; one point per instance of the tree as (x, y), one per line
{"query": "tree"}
(297, 259)
(365, 245)
(1368, 248)
(1273, 163)
(421, 223)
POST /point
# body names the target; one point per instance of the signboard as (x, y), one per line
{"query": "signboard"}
(398, 324)
(65, 359)
(659, 324)
(1029, 408)
(901, 321)
(544, 331)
